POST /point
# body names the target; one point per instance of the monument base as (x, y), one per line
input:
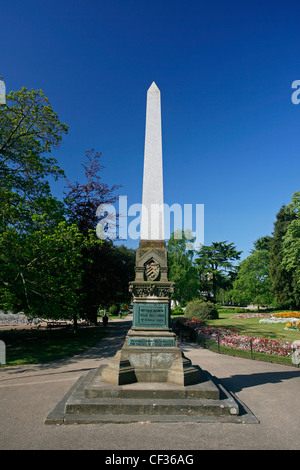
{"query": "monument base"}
(150, 355)
(92, 401)
(138, 385)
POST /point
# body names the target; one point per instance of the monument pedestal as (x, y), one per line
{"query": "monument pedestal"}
(150, 356)
(93, 401)
(150, 352)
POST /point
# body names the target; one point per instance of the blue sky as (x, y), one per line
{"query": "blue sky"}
(225, 70)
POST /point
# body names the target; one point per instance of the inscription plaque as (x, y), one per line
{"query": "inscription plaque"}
(152, 342)
(149, 315)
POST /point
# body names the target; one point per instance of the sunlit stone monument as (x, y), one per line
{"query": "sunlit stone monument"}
(150, 352)
(149, 377)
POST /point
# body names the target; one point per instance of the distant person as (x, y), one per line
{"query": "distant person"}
(105, 319)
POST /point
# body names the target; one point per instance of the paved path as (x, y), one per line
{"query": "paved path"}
(270, 391)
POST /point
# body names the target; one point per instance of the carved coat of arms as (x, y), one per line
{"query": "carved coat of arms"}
(152, 270)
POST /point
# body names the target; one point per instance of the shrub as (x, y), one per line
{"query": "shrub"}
(114, 309)
(177, 311)
(201, 310)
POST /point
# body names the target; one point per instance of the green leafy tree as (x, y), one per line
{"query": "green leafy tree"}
(106, 279)
(29, 130)
(291, 248)
(40, 253)
(215, 266)
(282, 279)
(253, 284)
(41, 272)
(181, 267)
(262, 243)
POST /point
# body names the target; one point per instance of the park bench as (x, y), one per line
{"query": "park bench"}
(57, 324)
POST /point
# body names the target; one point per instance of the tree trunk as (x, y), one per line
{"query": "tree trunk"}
(75, 324)
(214, 286)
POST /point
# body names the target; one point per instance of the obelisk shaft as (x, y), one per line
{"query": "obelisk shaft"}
(152, 218)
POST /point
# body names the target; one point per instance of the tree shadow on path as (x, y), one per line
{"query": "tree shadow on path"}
(238, 382)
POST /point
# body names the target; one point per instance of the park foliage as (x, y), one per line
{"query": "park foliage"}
(52, 265)
(50, 258)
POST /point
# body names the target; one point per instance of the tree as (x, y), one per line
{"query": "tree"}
(215, 265)
(40, 253)
(45, 259)
(29, 130)
(291, 248)
(253, 284)
(83, 199)
(41, 272)
(106, 279)
(181, 268)
(281, 279)
(262, 243)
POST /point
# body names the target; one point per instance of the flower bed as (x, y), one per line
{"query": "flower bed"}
(275, 320)
(293, 325)
(230, 338)
(281, 317)
(287, 315)
(253, 315)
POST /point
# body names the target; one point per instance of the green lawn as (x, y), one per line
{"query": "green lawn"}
(38, 346)
(251, 326)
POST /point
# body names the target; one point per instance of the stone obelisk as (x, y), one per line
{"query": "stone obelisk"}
(152, 217)
(150, 352)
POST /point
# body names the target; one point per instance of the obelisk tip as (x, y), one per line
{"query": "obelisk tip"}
(153, 87)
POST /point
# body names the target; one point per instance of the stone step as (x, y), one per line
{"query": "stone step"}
(146, 419)
(96, 388)
(76, 408)
(151, 407)
(147, 399)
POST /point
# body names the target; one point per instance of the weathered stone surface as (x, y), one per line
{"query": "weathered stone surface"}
(91, 401)
(150, 346)
(119, 371)
(96, 387)
(157, 360)
(152, 217)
